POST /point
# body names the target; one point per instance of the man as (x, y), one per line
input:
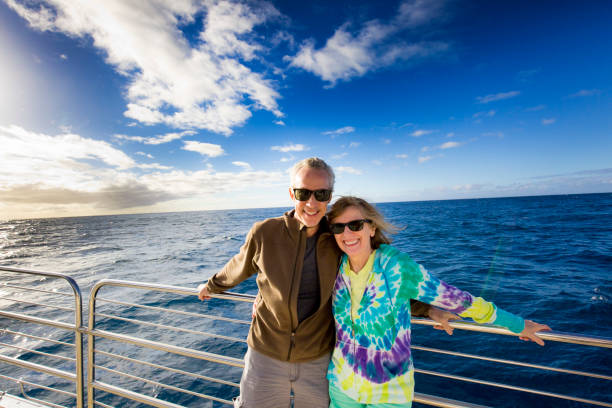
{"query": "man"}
(296, 261)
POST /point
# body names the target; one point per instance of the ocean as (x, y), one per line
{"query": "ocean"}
(546, 258)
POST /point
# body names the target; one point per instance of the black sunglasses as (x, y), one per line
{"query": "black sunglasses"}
(303, 194)
(355, 225)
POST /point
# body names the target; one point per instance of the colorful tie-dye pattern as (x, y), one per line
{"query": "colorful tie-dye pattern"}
(371, 361)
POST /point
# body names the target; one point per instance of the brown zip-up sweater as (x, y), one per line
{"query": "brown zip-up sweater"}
(274, 250)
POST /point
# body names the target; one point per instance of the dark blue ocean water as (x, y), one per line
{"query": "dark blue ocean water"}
(548, 259)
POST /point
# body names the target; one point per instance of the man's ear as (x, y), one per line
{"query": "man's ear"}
(291, 194)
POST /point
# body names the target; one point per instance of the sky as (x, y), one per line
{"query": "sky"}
(110, 107)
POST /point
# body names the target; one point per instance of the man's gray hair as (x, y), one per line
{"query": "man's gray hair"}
(313, 163)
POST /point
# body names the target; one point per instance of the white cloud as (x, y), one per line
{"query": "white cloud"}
(421, 132)
(375, 45)
(450, 134)
(401, 156)
(449, 145)
(339, 156)
(289, 148)
(205, 149)
(160, 139)
(423, 159)
(386, 141)
(425, 149)
(377, 162)
(548, 121)
(490, 113)
(63, 56)
(497, 97)
(586, 92)
(345, 169)
(341, 131)
(204, 86)
(155, 166)
(279, 122)
(145, 155)
(354, 144)
(68, 174)
(244, 165)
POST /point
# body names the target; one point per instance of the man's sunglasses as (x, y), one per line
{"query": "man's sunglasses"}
(355, 225)
(303, 194)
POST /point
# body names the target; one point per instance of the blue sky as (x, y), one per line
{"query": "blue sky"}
(108, 107)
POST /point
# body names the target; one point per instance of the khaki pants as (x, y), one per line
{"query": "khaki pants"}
(268, 383)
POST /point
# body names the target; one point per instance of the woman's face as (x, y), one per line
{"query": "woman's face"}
(356, 244)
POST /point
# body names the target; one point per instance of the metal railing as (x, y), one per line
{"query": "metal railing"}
(152, 352)
(34, 306)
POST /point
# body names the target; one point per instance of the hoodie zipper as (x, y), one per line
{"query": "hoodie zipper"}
(292, 341)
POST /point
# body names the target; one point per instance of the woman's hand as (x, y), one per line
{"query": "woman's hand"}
(203, 292)
(442, 317)
(530, 330)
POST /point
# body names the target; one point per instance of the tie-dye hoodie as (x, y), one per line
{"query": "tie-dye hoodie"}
(371, 361)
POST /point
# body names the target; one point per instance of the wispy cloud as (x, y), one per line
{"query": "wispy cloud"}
(481, 114)
(206, 86)
(585, 92)
(527, 75)
(341, 131)
(449, 145)
(493, 134)
(354, 144)
(423, 159)
(548, 121)
(290, 148)
(345, 169)
(401, 156)
(339, 156)
(279, 122)
(421, 132)
(374, 45)
(244, 165)
(205, 149)
(147, 155)
(156, 140)
(63, 56)
(497, 97)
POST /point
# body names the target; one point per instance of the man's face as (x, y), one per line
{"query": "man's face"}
(311, 211)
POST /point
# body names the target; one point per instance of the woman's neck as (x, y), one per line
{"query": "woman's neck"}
(358, 262)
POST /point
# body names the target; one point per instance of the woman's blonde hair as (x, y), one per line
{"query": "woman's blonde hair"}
(369, 212)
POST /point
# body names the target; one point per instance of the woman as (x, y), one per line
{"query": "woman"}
(371, 364)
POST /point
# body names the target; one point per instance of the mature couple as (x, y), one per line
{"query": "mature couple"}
(313, 270)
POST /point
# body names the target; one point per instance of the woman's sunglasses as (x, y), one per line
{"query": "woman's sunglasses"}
(355, 225)
(303, 194)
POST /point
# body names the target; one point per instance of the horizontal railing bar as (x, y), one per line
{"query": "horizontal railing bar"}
(241, 297)
(145, 399)
(159, 384)
(161, 309)
(47, 403)
(39, 320)
(514, 387)
(102, 404)
(42, 353)
(174, 370)
(21, 382)
(21, 301)
(163, 326)
(7, 285)
(202, 355)
(443, 402)
(545, 335)
(31, 336)
(38, 367)
(512, 362)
